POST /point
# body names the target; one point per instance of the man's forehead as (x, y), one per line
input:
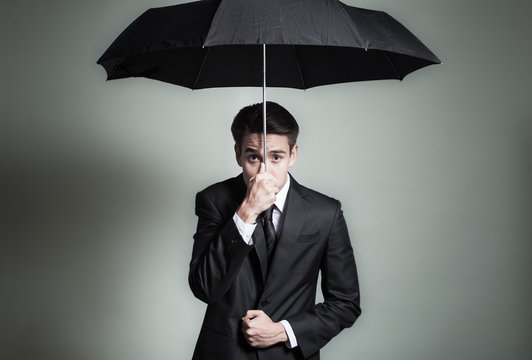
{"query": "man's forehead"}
(254, 141)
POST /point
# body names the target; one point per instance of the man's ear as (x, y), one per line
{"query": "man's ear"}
(293, 155)
(237, 155)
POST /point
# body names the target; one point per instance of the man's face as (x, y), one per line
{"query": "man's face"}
(279, 158)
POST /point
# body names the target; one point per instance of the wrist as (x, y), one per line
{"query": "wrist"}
(247, 214)
(281, 336)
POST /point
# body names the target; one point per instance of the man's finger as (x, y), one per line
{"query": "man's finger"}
(262, 168)
(250, 314)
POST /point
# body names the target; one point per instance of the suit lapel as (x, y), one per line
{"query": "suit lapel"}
(295, 212)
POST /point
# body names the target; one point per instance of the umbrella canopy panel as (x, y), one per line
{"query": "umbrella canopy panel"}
(289, 22)
(160, 39)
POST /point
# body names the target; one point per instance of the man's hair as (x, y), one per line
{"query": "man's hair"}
(278, 121)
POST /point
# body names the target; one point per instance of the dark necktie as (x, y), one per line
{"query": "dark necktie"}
(269, 231)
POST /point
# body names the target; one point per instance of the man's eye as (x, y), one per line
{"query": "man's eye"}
(276, 157)
(253, 157)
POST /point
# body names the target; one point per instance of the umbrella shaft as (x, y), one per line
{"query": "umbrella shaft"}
(264, 101)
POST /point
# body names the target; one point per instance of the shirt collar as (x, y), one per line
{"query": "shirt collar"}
(281, 195)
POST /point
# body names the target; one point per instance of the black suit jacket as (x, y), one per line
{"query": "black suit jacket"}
(233, 277)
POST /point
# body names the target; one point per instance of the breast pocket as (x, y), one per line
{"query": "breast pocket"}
(308, 238)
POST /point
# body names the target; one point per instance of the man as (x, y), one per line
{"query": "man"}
(259, 274)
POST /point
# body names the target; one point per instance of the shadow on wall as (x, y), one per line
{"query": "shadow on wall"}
(71, 220)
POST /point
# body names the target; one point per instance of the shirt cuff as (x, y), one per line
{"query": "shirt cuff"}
(245, 230)
(292, 341)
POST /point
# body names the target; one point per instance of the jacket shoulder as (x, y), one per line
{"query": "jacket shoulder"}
(315, 196)
(225, 195)
(221, 187)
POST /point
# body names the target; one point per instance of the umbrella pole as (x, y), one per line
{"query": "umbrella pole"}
(264, 101)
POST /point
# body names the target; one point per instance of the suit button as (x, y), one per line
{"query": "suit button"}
(264, 303)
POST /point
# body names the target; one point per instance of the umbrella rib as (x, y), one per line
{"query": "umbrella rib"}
(353, 23)
(391, 64)
(299, 68)
(200, 69)
(116, 66)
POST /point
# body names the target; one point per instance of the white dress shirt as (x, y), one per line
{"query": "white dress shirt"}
(246, 231)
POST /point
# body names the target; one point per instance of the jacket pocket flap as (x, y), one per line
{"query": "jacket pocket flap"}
(308, 238)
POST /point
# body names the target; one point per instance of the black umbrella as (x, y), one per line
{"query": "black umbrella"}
(222, 43)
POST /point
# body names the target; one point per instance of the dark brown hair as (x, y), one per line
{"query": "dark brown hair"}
(278, 121)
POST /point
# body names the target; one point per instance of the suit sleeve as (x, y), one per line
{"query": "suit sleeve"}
(341, 306)
(217, 254)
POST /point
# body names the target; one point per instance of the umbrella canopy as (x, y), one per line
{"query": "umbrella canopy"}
(219, 43)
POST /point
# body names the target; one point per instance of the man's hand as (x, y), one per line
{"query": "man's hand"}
(260, 331)
(261, 194)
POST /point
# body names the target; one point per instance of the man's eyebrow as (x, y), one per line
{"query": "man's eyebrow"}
(253, 151)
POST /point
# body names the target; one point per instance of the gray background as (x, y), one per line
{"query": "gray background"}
(99, 179)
